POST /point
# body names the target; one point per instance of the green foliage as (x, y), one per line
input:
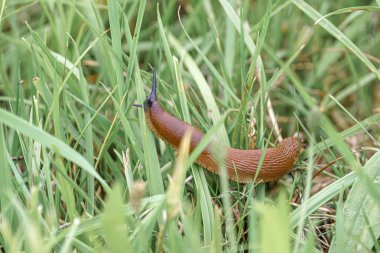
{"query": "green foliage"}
(80, 171)
(113, 225)
(360, 215)
(274, 226)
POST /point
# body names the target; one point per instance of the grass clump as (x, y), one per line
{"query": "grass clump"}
(80, 171)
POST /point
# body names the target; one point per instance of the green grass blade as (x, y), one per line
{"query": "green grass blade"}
(113, 225)
(114, 11)
(274, 224)
(6, 185)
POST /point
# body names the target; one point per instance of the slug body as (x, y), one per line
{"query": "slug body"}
(241, 165)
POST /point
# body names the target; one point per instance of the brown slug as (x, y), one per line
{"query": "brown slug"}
(241, 165)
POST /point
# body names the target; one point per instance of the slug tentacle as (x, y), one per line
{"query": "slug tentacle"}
(241, 165)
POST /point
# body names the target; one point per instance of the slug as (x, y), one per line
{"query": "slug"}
(241, 165)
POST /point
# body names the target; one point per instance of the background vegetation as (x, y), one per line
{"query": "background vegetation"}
(81, 172)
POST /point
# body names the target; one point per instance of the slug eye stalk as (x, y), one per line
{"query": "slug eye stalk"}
(152, 97)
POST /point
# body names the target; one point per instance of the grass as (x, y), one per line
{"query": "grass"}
(81, 171)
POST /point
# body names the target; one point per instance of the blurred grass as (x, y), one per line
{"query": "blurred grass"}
(81, 172)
